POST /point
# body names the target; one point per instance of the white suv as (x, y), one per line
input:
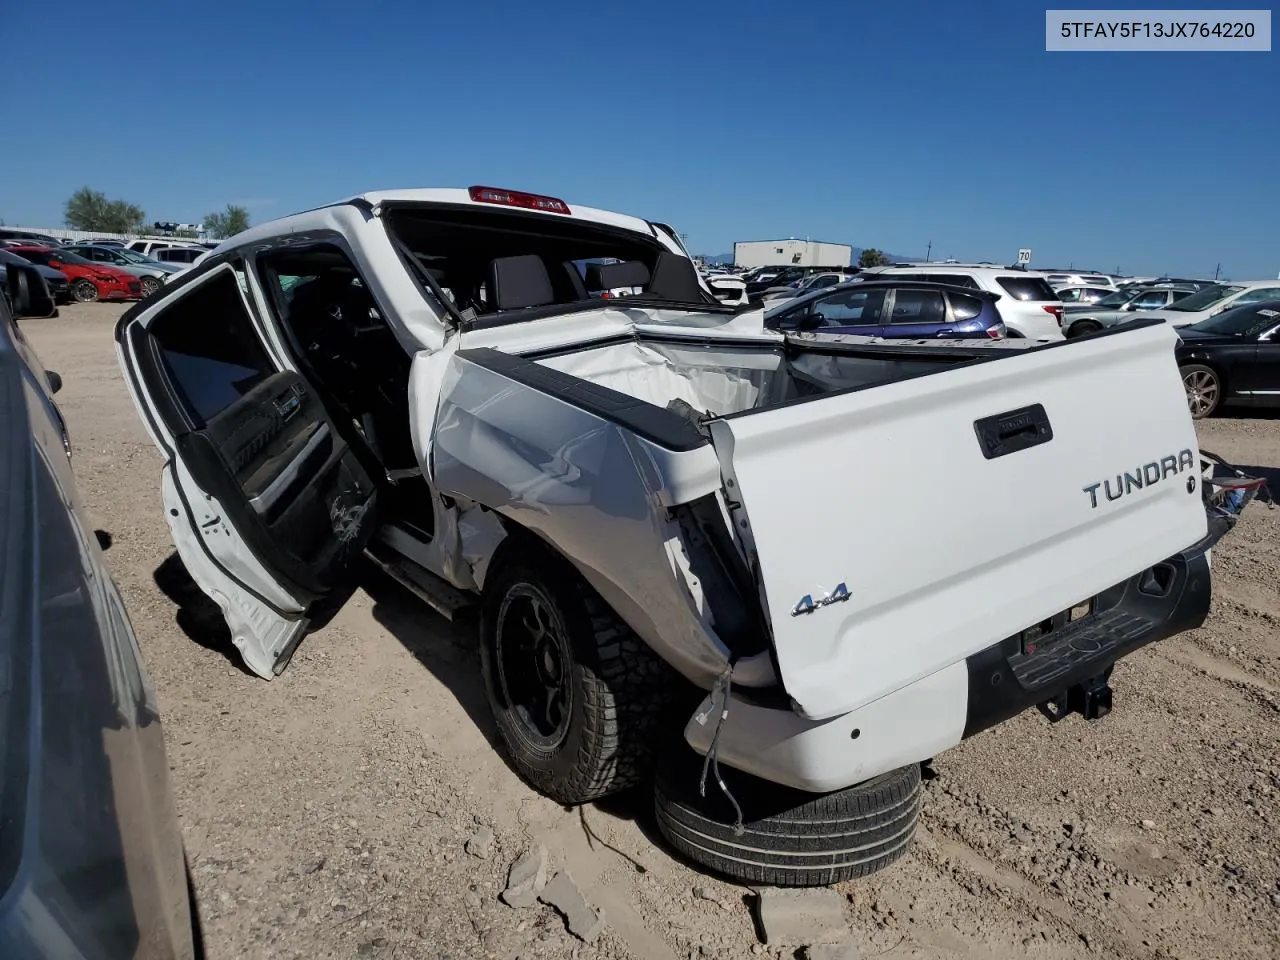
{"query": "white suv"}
(147, 246)
(1027, 304)
(1057, 280)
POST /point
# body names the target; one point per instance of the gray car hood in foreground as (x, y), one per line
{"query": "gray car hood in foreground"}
(90, 853)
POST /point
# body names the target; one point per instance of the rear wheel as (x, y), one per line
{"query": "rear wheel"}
(579, 699)
(1082, 327)
(84, 291)
(791, 838)
(1204, 389)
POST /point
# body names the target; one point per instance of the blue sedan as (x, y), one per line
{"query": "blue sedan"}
(898, 309)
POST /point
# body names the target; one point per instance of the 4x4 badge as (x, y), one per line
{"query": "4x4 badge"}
(807, 604)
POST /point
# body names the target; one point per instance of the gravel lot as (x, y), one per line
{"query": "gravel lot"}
(327, 813)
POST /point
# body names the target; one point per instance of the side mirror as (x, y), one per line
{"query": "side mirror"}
(28, 292)
(811, 321)
(55, 380)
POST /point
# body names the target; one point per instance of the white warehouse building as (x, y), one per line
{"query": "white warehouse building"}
(800, 253)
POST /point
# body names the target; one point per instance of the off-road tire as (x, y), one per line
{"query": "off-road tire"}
(84, 291)
(621, 691)
(792, 838)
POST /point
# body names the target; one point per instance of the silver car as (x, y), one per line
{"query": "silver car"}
(91, 861)
(1119, 307)
(150, 272)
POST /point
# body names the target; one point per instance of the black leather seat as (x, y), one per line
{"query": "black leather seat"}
(611, 276)
(515, 283)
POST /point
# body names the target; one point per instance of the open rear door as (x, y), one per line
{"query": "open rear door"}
(268, 507)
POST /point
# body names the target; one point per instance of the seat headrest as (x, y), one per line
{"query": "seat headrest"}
(609, 276)
(518, 282)
(676, 278)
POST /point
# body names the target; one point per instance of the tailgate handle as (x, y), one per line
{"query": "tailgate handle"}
(1010, 432)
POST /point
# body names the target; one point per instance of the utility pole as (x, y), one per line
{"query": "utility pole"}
(928, 252)
(1216, 270)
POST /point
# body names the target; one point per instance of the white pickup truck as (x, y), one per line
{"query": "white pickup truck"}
(854, 553)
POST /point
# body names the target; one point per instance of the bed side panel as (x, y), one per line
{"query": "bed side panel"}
(591, 488)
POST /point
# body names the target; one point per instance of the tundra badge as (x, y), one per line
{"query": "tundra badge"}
(1145, 475)
(807, 604)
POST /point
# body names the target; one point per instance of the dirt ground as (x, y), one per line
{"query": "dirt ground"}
(327, 813)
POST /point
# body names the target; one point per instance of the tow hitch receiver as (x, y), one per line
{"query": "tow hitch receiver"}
(1091, 699)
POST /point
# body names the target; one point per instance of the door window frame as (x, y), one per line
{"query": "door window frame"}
(164, 395)
(273, 308)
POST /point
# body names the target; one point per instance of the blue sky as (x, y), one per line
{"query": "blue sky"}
(888, 125)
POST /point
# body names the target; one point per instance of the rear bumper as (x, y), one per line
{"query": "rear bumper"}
(926, 717)
(1169, 599)
(1031, 322)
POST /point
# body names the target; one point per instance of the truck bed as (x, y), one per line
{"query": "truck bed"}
(896, 508)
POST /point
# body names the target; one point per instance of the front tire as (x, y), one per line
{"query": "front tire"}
(1204, 389)
(791, 838)
(150, 285)
(579, 699)
(84, 291)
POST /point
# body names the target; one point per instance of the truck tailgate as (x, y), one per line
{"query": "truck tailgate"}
(900, 528)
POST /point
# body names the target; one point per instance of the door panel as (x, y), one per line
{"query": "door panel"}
(269, 508)
(292, 487)
(1257, 371)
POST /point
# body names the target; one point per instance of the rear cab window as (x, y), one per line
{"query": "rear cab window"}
(457, 249)
(1026, 288)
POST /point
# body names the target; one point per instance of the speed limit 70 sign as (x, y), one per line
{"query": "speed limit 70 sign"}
(1024, 255)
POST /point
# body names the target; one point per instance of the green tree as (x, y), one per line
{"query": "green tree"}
(871, 257)
(91, 210)
(228, 223)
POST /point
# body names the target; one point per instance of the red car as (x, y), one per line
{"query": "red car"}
(88, 280)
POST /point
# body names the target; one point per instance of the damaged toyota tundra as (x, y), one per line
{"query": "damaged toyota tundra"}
(822, 560)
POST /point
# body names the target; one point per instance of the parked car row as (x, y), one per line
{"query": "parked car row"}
(86, 272)
(88, 281)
